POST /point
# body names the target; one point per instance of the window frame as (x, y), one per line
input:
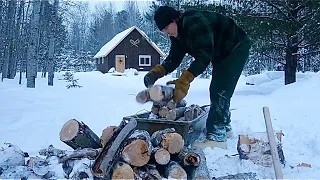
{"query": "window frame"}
(145, 56)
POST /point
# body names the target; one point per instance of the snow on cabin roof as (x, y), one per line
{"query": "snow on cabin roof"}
(107, 48)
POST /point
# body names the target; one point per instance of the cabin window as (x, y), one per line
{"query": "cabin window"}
(102, 60)
(144, 60)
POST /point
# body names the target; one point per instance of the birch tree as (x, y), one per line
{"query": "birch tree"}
(33, 45)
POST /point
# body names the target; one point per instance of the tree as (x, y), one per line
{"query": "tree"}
(287, 31)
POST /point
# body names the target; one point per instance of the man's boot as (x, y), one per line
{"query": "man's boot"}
(217, 139)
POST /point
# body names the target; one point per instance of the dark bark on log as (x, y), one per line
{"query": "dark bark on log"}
(110, 153)
(78, 135)
(106, 135)
(155, 108)
(187, 157)
(172, 105)
(160, 156)
(137, 148)
(122, 170)
(174, 171)
(176, 113)
(153, 172)
(141, 173)
(192, 112)
(201, 171)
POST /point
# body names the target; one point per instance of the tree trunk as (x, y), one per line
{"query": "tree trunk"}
(51, 43)
(78, 135)
(9, 40)
(33, 46)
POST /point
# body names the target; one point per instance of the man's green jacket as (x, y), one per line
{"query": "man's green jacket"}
(205, 35)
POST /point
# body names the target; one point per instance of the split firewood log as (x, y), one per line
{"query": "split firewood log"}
(64, 155)
(163, 112)
(81, 170)
(122, 170)
(172, 105)
(106, 135)
(109, 154)
(173, 170)
(81, 153)
(143, 96)
(201, 171)
(192, 112)
(161, 93)
(176, 113)
(168, 139)
(187, 157)
(160, 156)
(78, 135)
(137, 148)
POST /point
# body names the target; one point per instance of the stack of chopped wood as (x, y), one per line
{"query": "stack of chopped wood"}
(135, 155)
(163, 106)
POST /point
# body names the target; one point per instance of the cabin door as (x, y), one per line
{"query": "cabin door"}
(120, 63)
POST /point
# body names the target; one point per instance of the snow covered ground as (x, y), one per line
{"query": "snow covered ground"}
(32, 118)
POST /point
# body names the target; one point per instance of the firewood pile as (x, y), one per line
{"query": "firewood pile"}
(163, 106)
(121, 152)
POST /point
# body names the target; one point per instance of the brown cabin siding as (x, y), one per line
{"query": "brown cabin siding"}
(131, 53)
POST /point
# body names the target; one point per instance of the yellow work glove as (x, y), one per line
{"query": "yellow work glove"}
(182, 85)
(153, 75)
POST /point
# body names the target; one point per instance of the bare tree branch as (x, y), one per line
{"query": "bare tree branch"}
(275, 59)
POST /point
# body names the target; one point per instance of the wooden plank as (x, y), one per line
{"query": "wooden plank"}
(272, 143)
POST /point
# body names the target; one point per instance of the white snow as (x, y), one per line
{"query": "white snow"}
(33, 118)
(109, 46)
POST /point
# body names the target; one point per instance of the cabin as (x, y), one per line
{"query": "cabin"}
(130, 48)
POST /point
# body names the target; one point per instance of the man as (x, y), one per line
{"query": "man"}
(210, 38)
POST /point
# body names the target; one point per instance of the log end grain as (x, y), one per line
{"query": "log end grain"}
(137, 153)
(173, 142)
(122, 171)
(162, 156)
(156, 93)
(69, 130)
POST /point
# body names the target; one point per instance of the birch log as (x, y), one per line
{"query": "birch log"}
(78, 135)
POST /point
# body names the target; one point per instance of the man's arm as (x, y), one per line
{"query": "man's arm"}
(200, 31)
(175, 56)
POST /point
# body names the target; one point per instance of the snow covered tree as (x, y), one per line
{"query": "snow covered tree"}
(284, 31)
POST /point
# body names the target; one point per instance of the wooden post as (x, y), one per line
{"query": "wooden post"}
(272, 143)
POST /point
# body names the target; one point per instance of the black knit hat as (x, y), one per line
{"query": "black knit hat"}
(165, 15)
